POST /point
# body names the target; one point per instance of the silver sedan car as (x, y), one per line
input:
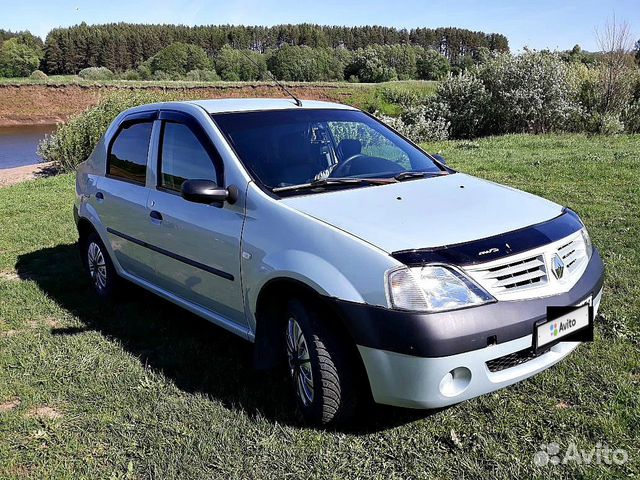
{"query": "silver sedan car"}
(366, 267)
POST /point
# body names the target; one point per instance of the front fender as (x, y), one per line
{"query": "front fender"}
(306, 268)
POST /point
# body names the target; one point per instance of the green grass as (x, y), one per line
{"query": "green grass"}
(144, 390)
(59, 80)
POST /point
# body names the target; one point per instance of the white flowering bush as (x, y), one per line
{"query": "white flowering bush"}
(417, 124)
(463, 101)
(202, 76)
(96, 73)
(38, 75)
(530, 92)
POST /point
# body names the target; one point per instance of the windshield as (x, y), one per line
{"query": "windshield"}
(286, 148)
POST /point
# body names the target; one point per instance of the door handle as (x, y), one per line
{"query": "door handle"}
(155, 215)
(99, 196)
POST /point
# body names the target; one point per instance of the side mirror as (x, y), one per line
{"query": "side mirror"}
(207, 191)
(439, 158)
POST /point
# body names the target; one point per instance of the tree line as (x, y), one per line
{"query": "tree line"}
(123, 46)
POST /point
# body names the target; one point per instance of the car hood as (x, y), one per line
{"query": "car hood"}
(429, 212)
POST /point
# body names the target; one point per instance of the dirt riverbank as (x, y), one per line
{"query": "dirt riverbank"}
(9, 176)
(45, 104)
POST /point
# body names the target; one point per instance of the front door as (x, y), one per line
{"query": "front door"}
(197, 247)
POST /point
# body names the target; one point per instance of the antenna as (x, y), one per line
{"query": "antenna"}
(296, 99)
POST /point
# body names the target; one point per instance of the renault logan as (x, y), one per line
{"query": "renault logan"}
(364, 265)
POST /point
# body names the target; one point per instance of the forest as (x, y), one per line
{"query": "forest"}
(122, 46)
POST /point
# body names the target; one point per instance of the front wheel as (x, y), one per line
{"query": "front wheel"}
(319, 367)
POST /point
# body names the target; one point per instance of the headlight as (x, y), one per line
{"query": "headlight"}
(587, 241)
(433, 288)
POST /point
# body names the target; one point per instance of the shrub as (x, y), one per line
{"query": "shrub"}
(432, 66)
(18, 59)
(73, 141)
(529, 93)
(532, 92)
(96, 73)
(631, 117)
(305, 64)
(202, 76)
(180, 58)
(602, 104)
(38, 75)
(463, 101)
(131, 75)
(417, 124)
(631, 114)
(233, 65)
(144, 71)
(584, 83)
(407, 94)
(161, 75)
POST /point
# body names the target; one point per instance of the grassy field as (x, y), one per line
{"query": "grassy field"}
(59, 80)
(142, 389)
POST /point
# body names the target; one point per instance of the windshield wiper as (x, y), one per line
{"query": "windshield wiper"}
(411, 175)
(329, 182)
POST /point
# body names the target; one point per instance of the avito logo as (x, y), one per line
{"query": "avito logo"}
(567, 324)
(556, 327)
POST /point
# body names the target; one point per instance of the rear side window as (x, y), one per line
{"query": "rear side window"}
(128, 153)
(183, 157)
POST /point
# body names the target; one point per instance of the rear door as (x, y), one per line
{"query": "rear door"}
(122, 194)
(197, 247)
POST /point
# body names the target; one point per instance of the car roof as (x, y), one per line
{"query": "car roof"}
(252, 104)
(228, 105)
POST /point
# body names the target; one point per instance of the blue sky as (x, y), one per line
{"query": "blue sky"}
(554, 24)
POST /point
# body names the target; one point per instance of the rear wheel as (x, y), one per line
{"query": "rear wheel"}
(319, 367)
(98, 265)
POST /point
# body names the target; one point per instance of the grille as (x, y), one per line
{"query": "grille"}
(515, 276)
(573, 255)
(513, 359)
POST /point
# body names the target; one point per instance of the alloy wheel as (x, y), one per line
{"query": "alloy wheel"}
(97, 266)
(299, 362)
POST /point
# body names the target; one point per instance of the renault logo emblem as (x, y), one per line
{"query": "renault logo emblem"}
(557, 266)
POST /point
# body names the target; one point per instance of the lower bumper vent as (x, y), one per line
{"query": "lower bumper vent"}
(513, 359)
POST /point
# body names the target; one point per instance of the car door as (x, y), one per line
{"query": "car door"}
(197, 246)
(121, 197)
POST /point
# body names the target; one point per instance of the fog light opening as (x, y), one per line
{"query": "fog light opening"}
(455, 382)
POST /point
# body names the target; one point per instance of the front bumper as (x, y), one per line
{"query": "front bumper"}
(458, 331)
(433, 360)
(422, 382)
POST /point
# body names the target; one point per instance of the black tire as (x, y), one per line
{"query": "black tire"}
(98, 265)
(334, 393)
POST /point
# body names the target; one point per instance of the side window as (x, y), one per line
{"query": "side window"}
(183, 157)
(128, 153)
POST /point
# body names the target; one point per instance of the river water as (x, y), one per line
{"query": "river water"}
(18, 144)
